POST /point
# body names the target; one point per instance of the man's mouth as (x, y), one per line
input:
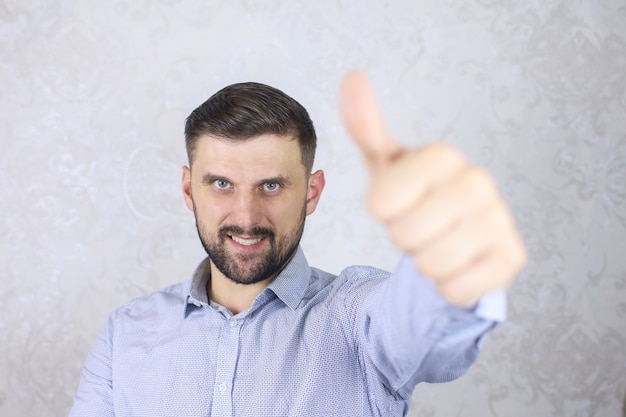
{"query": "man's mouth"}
(246, 241)
(251, 238)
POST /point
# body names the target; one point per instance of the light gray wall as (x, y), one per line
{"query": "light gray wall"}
(93, 95)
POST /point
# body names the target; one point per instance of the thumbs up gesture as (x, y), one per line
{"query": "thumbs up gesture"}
(440, 209)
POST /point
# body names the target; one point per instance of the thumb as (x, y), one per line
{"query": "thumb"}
(364, 122)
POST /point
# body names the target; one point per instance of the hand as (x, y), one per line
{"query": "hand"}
(443, 211)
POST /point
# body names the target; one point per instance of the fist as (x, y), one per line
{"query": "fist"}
(440, 209)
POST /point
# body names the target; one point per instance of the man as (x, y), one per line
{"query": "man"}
(257, 332)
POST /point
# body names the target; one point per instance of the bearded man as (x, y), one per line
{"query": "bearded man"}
(256, 331)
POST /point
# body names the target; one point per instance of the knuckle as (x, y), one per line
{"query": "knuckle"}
(377, 201)
(520, 256)
(513, 256)
(443, 153)
(427, 268)
(399, 238)
(501, 220)
(478, 181)
(453, 294)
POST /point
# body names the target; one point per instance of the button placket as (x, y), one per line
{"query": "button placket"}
(227, 355)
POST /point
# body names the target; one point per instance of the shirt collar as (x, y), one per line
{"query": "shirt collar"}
(292, 282)
(289, 286)
(200, 278)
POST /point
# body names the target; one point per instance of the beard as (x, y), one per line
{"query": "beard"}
(255, 267)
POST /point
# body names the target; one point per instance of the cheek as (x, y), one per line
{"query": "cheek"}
(209, 211)
(287, 217)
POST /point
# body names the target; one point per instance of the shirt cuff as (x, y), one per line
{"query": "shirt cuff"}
(492, 306)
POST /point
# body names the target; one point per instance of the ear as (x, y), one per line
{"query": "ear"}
(314, 192)
(187, 187)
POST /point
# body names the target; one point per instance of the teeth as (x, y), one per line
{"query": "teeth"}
(246, 242)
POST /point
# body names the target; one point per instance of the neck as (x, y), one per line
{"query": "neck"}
(233, 296)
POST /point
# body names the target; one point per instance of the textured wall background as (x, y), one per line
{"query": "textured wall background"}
(92, 101)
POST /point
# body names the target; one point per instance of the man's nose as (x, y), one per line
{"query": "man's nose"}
(246, 209)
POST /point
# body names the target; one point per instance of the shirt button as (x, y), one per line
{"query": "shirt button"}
(233, 322)
(223, 387)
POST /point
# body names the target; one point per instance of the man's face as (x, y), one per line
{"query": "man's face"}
(250, 199)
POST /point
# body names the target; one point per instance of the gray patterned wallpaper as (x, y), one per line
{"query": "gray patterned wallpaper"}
(92, 100)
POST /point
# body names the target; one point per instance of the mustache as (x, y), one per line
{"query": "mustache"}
(259, 231)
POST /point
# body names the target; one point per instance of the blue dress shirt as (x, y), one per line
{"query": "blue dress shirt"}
(311, 344)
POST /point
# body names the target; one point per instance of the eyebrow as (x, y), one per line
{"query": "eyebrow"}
(209, 178)
(279, 179)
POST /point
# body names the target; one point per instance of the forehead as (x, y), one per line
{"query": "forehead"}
(264, 154)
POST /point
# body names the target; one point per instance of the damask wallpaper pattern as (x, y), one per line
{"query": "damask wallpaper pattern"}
(93, 96)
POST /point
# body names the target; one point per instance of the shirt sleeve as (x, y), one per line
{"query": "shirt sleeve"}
(95, 390)
(410, 334)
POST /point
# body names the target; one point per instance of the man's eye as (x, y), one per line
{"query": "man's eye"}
(271, 186)
(221, 184)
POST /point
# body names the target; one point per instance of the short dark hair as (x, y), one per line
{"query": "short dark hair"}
(245, 110)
